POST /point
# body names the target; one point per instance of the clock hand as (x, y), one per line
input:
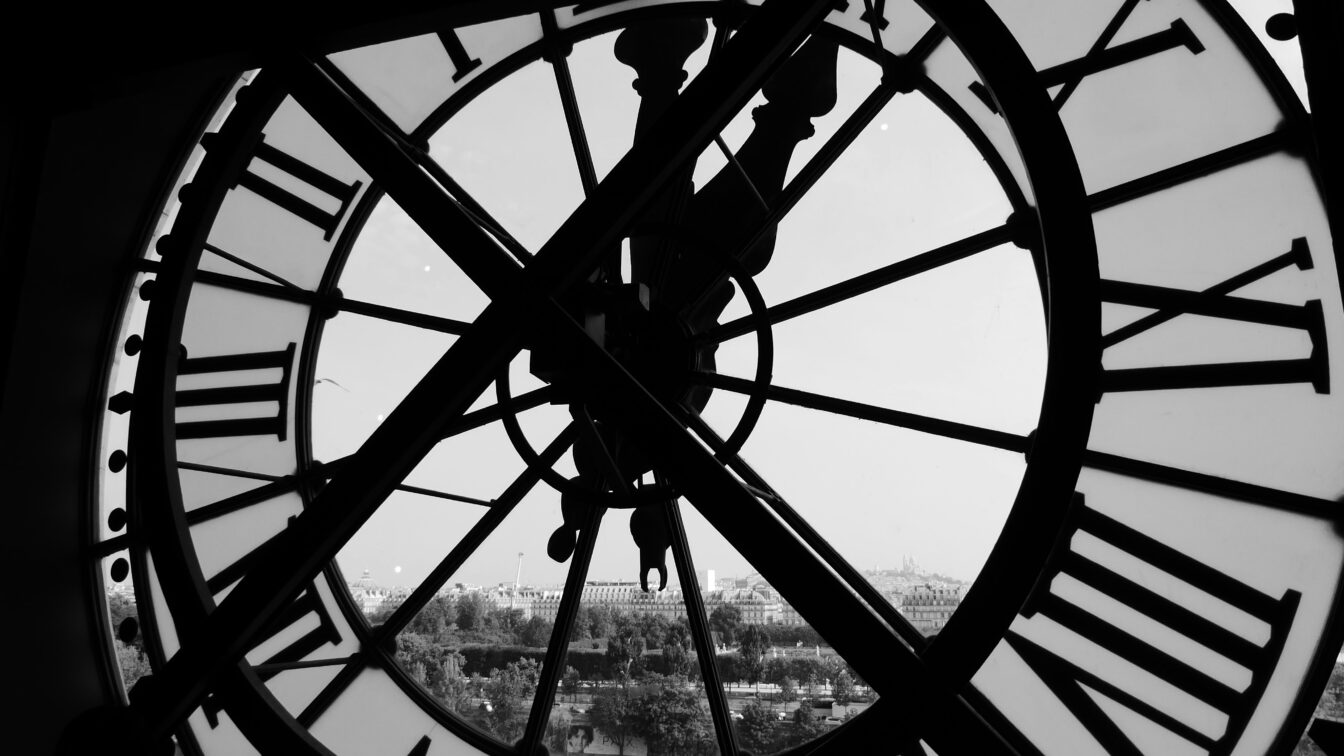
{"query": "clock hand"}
(658, 50)
(728, 209)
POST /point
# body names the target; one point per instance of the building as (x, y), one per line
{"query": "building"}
(929, 607)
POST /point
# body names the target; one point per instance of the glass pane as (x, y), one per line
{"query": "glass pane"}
(407, 79)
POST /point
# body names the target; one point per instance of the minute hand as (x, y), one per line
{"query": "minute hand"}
(734, 204)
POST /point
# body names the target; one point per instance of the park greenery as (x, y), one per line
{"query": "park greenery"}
(632, 676)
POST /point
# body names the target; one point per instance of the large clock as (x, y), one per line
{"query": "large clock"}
(1047, 289)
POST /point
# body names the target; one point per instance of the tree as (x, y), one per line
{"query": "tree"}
(843, 687)
(677, 649)
(557, 734)
(510, 691)
(754, 642)
(615, 715)
(724, 619)
(535, 633)
(471, 612)
(579, 631)
(120, 607)
(756, 728)
(424, 659)
(600, 621)
(804, 726)
(569, 683)
(788, 689)
(625, 652)
(673, 722)
(654, 628)
(132, 662)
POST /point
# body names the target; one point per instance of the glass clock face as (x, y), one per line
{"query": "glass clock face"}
(1044, 303)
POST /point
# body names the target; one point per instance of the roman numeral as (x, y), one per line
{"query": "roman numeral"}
(307, 604)
(1217, 303)
(1101, 57)
(463, 63)
(1070, 683)
(277, 392)
(322, 182)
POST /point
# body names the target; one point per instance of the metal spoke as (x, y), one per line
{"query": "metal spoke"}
(1251, 149)
(249, 266)
(864, 283)
(699, 622)
(814, 540)
(1310, 506)
(474, 537)
(304, 664)
(909, 420)
(332, 691)
(420, 153)
(332, 302)
(282, 484)
(556, 53)
(741, 172)
(383, 152)
(495, 412)
(564, 623)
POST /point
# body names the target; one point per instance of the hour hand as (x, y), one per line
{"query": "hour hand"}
(731, 209)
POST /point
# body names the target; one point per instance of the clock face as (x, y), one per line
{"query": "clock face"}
(1044, 302)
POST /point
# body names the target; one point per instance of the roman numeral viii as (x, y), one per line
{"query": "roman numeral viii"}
(1101, 56)
(241, 393)
(1216, 302)
(1070, 682)
(338, 191)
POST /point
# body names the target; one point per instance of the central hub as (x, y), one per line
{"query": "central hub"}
(650, 342)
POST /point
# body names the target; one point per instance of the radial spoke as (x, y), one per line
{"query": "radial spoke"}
(556, 53)
(922, 423)
(564, 623)
(1264, 496)
(474, 537)
(1193, 169)
(495, 412)
(282, 484)
(249, 266)
(814, 540)
(304, 664)
(861, 284)
(289, 293)
(699, 622)
(926, 44)
(420, 153)
(384, 154)
(331, 691)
